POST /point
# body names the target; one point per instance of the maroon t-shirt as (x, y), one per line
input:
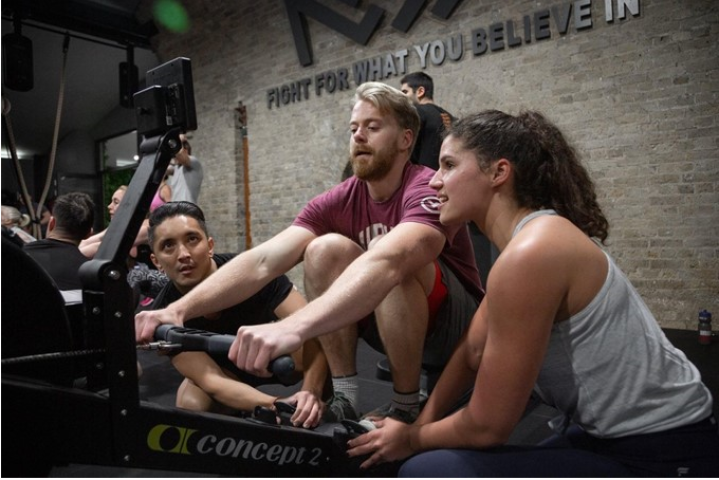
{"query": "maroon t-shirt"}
(348, 209)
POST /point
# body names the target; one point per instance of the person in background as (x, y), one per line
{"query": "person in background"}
(559, 318)
(162, 195)
(187, 175)
(433, 119)
(116, 199)
(15, 222)
(434, 122)
(146, 282)
(59, 254)
(43, 220)
(90, 245)
(182, 248)
(377, 264)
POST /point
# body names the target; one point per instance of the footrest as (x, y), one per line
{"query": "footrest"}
(358, 428)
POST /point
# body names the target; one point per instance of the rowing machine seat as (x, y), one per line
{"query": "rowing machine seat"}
(34, 320)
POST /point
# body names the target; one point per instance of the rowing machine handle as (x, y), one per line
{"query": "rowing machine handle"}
(193, 340)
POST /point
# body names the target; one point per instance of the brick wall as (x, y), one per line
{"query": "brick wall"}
(638, 96)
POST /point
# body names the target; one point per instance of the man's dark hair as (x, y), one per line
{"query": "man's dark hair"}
(74, 215)
(171, 210)
(419, 79)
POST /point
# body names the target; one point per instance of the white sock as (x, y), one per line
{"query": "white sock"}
(405, 401)
(349, 386)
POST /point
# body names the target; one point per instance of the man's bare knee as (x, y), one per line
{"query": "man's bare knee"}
(325, 259)
(331, 247)
(330, 253)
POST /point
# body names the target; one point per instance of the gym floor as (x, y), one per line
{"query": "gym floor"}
(159, 382)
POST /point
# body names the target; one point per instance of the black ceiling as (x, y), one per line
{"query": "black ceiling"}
(113, 20)
(98, 35)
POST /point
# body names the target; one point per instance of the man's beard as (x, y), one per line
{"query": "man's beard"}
(377, 168)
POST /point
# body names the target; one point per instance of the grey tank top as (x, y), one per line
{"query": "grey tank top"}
(611, 370)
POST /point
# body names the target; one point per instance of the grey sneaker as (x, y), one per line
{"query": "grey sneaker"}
(339, 408)
(406, 416)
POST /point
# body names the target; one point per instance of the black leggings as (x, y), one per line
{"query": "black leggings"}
(692, 450)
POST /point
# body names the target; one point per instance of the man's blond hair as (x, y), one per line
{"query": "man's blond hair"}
(389, 100)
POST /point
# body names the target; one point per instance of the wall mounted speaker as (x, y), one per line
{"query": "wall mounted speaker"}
(128, 83)
(17, 62)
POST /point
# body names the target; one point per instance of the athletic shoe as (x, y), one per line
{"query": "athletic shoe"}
(385, 411)
(339, 408)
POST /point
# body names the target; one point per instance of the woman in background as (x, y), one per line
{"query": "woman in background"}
(90, 245)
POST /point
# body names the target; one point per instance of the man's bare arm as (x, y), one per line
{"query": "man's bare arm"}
(354, 295)
(235, 282)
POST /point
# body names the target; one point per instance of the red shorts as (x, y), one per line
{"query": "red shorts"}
(435, 297)
(434, 301)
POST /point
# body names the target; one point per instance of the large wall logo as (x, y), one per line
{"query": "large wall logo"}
(498, 36)
(299, 10)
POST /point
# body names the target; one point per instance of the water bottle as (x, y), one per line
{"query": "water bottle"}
(705, 327)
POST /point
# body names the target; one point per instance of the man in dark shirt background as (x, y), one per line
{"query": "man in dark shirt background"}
(58, 254)
(419, 87)
(433, 119)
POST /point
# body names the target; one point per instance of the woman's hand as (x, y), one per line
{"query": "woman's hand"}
(388, 443)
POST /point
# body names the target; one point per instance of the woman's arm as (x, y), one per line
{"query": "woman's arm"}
(508, 339)
(457, 377)
(90, 245)
(166, 193)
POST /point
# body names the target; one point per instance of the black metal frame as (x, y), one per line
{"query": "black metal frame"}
(56, 424)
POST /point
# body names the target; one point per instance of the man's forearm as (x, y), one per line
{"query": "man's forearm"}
(315, 368)
(183, 159)
(233, 283)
